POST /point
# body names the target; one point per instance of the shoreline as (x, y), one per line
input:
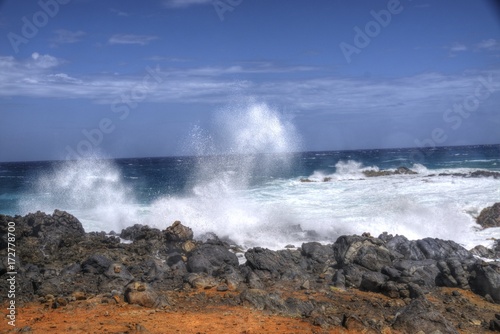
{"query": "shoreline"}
(385, 284)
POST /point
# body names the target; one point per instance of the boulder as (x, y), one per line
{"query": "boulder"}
(138, 232)
(40, 237)
(318, 252)
(285, 264)
(485, 280)
(490, 216)
(178, 232)
(209, 258)
(369, 253)
(143, 294)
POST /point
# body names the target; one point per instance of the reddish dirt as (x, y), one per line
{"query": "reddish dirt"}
(468, 313)
(87, 317)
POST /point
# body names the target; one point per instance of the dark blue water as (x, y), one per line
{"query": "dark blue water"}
(152, 178)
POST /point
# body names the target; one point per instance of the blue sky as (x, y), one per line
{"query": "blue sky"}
(133, 78)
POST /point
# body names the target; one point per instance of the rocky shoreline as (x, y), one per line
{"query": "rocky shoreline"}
(407, 171)
(384, 284)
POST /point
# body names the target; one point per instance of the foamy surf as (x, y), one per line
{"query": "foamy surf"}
(244, 185)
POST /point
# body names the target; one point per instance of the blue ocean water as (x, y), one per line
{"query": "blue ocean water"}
(259, 199)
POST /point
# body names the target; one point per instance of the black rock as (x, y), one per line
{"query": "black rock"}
(421, 316)
(210, 258)
(369, 253)
(285, 264)
(485, 279)
(490, 216)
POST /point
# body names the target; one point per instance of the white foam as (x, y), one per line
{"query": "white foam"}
(93, 190)
(221, 198)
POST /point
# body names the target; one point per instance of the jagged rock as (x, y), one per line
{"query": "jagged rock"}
(490, 216)
(209, 258)
(373, 281)
(39, 237)
(401, 247)
(437, 249)
(96, 264)
(138, 232)
(486, 279)
(421, 316)
(318, 252)
(285, 264)
(369, 253)
(484, 173)
(398, 171)
(143, 294)
(454, 274)
(423, 272)
(178, 232)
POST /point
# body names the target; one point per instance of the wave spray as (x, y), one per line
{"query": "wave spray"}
(251, 145)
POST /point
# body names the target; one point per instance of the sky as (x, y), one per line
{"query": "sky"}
(133, 78)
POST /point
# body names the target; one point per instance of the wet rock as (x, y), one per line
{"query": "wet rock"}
(484, 173)
(490, 216)
(398, 171)
(143, 294)
(178, 232)
(421, 316)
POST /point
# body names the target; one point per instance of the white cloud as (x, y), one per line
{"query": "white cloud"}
(311, 94)
(43, 61)
(63, 36)
(185, 3)
(458, 47)
(131, 39)
(119, 12)
(489, 44)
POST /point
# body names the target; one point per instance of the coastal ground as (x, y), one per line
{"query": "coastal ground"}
(209, 311)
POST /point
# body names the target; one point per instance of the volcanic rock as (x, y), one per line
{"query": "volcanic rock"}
(178, 232)
(490, 216)
(421, 316)
(143, 294)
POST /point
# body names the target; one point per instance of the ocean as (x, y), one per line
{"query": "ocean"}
(235, 190)
(260, 199)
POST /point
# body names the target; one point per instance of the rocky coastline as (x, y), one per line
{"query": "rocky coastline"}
(384, 284)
